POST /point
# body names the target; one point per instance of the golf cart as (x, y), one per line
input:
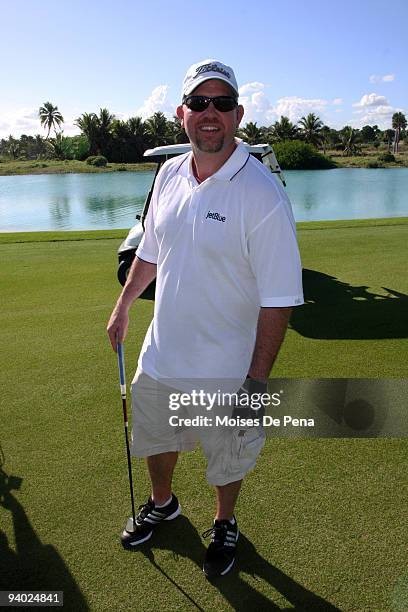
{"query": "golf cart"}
(127, 250)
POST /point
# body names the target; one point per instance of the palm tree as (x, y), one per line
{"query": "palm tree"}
(97, 129)
(251, 133)
(349, 140)
(61, 146)
(388, 138)
(399, 122)
(175, 132)
(283, 130)
(157, 130)
(88, 124)
(310, 129)
(50, 117)
(104, 131)
(12, 147)
(136, 126)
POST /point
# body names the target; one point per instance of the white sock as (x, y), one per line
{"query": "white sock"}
(165, 503)
(232, 521)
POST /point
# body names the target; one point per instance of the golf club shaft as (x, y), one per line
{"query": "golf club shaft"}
(122, 381)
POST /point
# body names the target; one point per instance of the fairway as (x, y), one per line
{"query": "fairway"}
(323, 522)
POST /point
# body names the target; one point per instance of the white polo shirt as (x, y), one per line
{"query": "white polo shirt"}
(223, 248)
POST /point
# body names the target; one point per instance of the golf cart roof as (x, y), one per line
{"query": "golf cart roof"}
(263, 152)
(179, 149)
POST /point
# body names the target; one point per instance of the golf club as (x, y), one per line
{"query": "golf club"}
(131, 524)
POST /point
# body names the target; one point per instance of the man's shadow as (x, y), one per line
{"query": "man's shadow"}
(32, 566)
(183, 540)
(336, 310)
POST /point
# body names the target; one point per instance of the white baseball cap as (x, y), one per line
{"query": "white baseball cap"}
(206, 70)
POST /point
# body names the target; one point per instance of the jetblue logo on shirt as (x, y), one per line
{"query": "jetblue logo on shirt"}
(215, 215)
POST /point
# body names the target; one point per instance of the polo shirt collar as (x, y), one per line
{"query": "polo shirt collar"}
(228, 170)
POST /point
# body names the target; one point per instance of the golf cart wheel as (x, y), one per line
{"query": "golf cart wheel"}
(123, 271)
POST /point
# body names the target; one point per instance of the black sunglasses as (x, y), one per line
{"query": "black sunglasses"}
(224, 104)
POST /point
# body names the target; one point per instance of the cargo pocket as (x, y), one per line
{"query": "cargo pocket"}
(245, 448)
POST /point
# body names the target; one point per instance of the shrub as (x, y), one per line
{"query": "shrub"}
(96, 160)
(373, 164)
(386, 157)
(298, 155)
(121, 169)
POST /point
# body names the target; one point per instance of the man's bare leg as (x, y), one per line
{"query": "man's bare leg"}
(161, 468)
(227, 496)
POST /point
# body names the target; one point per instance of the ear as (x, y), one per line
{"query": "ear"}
(240, 114)
(180, 114)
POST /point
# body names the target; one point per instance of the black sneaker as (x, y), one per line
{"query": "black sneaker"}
(147, 519)
(220, 555)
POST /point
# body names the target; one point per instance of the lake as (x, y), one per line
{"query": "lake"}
(111, 200)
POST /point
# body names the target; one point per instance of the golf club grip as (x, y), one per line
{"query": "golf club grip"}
(121, 364)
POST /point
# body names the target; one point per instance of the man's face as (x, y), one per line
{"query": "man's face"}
(211, 131)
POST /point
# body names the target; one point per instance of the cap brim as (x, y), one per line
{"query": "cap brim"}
(198, 82)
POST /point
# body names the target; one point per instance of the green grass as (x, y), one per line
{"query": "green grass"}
(322, 520)
(370, 154)
(53, 166)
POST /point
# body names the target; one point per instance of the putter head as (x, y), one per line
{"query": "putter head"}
(130, 526)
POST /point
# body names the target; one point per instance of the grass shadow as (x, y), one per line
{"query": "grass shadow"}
(183, 540)
(32, 566)
(338, 311)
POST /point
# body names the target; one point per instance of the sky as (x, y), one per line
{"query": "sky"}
(344, 61)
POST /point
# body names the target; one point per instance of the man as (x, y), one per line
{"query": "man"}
(220, 241)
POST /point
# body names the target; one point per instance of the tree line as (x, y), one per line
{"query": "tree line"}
(125, 141)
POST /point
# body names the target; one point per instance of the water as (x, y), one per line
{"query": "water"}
(348, 193)
(111, 200)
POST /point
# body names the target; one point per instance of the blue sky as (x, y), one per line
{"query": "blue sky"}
(345, 61)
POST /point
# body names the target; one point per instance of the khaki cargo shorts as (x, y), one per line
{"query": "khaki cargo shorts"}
(230, 451)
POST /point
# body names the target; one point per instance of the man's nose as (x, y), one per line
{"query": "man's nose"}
(210, 109)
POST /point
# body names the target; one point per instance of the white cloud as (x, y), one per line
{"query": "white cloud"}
(259, 108)
(20, 121)
(157, 101)
(26, 121)
(295, 108)
(250, 88)
(375, 113)
(386, 78)
(337, 101)
(371, 99)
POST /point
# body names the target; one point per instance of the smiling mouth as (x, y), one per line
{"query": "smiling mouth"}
(208, 129)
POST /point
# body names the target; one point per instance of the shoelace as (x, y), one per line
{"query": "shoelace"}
(144, 511)
(218, 534)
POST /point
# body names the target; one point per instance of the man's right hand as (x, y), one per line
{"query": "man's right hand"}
(118, 325)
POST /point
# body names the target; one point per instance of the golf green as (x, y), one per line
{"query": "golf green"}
(322, 521)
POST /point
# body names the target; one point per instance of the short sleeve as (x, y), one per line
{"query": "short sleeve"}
(274, 258)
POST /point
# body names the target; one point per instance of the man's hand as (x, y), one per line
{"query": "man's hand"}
(118, 325)
(250, 404)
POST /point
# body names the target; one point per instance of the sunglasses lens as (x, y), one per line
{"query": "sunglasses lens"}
(224, 104)
(197, 103)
